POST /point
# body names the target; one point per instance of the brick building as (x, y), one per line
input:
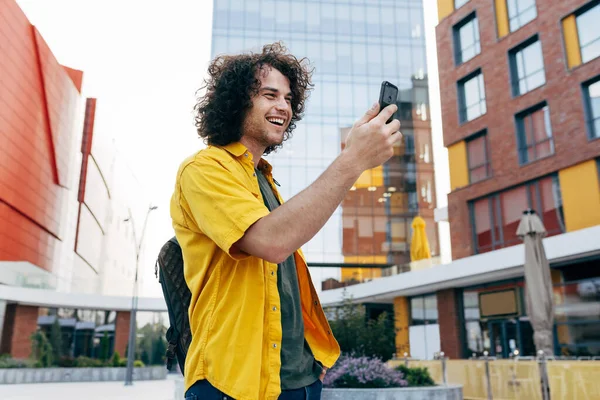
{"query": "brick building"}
(520, 97)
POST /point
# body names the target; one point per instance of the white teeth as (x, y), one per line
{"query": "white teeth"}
(278, 121)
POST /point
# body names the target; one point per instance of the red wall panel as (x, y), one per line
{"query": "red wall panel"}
(38, 106)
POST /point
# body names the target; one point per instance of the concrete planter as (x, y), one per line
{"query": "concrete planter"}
(39, 375)
(450, 392)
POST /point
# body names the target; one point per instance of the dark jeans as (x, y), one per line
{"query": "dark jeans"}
(203, 390)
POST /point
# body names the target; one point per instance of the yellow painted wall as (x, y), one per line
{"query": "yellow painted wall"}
(502, 18)
(571, 41)
(445, 8)
(580, 192)
(459, 171)
(401, 320)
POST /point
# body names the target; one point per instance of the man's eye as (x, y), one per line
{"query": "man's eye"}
(270, 95)
(289, 100)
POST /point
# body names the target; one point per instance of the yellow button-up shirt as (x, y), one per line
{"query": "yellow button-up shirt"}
(234, 310)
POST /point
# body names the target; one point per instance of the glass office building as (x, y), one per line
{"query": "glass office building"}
(353, 46)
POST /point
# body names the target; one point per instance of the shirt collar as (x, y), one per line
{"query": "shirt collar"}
(237, 149)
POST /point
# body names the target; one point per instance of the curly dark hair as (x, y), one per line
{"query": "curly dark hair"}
(233, 81)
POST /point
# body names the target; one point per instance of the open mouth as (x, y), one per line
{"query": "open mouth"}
(276, 121)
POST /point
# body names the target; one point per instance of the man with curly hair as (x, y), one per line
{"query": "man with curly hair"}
(258, 329)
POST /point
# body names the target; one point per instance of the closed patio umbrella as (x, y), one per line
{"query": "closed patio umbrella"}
(419, 246)
(538, 283)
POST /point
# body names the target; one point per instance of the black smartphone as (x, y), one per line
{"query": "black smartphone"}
(387, 95)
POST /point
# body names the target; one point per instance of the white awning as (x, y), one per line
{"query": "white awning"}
(51, 298)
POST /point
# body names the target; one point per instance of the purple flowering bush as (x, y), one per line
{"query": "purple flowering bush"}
(363, 372)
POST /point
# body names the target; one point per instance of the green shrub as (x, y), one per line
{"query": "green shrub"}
(87, 362)
(116, 359)
(123, 362)
(8, 362)
(138, 363)
(360, 337)
(41, 350)
(104, 347)
(66, 362)
(416, 376)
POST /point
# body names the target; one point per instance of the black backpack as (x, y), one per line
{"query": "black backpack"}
(169, 271)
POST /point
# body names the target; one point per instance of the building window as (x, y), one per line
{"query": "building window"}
(471, 97)
(478, 158)
(459, 3)
(520, 12)
(591, 94)
(423, 310)
(466, 39)
(534, 134)
(527, 66)
(495, 218)
(588, 31)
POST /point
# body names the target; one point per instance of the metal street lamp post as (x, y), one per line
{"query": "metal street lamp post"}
(134, 299)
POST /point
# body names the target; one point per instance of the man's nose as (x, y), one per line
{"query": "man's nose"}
(282, 104)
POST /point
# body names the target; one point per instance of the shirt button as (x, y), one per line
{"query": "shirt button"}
(274, 345)
(272, 273)
(254, 174)
(316, 303)
(245, 154)
(274, 308)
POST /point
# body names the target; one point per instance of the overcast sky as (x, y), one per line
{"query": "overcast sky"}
(143, 60)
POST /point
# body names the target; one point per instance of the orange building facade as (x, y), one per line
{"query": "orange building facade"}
(63, 197)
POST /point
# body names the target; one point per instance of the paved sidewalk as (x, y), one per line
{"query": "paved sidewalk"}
(144, 390)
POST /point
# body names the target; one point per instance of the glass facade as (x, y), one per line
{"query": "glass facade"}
(353, 47)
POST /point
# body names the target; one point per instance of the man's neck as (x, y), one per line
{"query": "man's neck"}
(254, 148)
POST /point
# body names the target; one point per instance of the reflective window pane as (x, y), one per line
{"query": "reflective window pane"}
(588, 30)
(466, 36)
(477, 158)
(472, 93)
(520, 12)
(535, 135)
(592, 97)
(527, 68)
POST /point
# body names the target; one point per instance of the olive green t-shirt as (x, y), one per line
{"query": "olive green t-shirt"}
(298, 365)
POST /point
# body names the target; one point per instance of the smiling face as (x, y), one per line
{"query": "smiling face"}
(271, 112)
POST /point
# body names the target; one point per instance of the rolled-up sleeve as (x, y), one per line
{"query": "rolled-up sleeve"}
(220, 203)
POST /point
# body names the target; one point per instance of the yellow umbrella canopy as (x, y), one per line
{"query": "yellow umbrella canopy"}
(419, 246)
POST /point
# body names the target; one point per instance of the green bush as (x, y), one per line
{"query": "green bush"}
(116, 359)
(123, 362)
(360, 337)
(8, 362)
(416, 376)
(66, 362)
(87, 362)
(138, 363)
(41, 350)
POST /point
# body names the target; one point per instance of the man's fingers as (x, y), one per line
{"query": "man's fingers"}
(393, 126)
(395, 137)
(369, 115)
(387, 112)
